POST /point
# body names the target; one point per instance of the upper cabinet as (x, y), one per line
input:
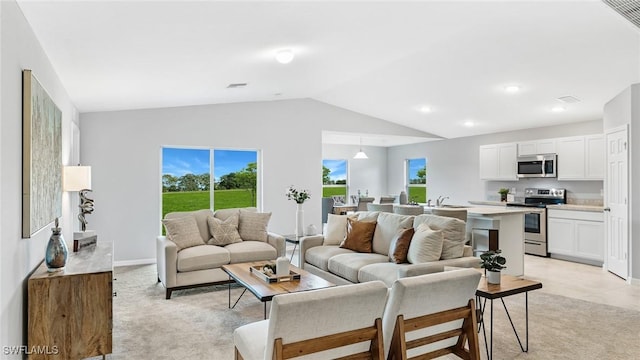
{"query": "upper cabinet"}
(545, 146)
(498, 161)
(581, 158)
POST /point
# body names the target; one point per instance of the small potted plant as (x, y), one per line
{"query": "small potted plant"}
(492, 262)
(503, 194)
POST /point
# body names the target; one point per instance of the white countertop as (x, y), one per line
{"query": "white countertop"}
(576, 207)
(487, 202)
(495, 210)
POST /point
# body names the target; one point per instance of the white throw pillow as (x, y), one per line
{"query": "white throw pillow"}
(253, 225)
(223, 232)
(183, 231)
(426, 245)
(336, 229)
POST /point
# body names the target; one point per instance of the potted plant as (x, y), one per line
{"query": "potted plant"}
(492, 262)
(503, 194)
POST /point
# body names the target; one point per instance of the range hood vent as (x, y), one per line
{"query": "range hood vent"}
(629, 9)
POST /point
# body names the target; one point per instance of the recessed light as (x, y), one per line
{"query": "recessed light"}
(558, 108)
(425, 109)
(468, 123)
(284, 56)
(512, 89)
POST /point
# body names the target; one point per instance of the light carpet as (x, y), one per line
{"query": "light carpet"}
(197, 323)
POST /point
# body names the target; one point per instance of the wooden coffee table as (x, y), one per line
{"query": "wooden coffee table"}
(265, 291)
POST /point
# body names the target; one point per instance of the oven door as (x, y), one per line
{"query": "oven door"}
(533, 226)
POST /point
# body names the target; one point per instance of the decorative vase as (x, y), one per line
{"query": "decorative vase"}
(403, 198)
(56, 253)
(493, 277)
(311, 230)
(299, 221)
(503, 197)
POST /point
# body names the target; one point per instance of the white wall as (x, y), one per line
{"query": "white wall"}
(364, 174)
(453, 165)
(21, 50)
(123, 148)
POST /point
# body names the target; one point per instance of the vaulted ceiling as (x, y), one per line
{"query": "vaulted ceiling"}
(386, 59)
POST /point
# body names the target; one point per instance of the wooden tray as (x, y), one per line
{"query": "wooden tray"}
(257, 272)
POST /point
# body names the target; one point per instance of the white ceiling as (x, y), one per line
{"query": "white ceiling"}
(384, 59)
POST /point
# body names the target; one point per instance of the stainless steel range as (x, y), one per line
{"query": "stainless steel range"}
(535, 223)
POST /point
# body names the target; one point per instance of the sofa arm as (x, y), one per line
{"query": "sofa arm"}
(278, 242)
(437, 266)
(167, 261)
(306, 243)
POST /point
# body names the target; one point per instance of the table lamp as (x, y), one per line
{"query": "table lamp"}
(78, 178)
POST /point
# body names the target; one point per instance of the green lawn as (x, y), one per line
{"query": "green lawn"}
(331, 191)
(195, 200)
(418, 194)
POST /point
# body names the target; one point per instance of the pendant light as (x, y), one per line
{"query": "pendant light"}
(360, 154)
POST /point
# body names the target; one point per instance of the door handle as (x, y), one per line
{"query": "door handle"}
(607, 209)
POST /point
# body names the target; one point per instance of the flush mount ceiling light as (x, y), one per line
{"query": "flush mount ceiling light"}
(558, 108)
(512, 89)
(468, 123)
(425, 109)
(360, 154)
(284, 56)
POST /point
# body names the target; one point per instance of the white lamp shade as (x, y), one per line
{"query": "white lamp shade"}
(76, 178)
(360, 155)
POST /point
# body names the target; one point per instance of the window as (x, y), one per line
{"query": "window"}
(187, 179)
(334, 178)
(417, 180)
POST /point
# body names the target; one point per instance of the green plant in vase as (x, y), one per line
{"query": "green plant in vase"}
(493, 263)
(503, 194)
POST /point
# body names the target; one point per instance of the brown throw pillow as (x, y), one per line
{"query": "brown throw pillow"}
(400, 246)
(359, 236)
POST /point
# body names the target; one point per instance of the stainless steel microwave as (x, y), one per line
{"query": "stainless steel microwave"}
(537, 166)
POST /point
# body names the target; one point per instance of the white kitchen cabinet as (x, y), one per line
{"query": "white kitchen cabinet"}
(578, 235)
(581, 158)
(498, 161)
(536, 147)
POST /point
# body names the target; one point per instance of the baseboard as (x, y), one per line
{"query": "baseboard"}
(134, 262)
(633, 281)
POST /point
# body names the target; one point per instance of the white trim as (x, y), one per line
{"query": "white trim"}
(134, 262)
(633, 281)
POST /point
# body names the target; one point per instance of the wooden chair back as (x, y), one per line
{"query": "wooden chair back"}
(466, 333)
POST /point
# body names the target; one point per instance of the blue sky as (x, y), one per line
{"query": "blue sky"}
(178, 162)
(415, 165)
(338, 169)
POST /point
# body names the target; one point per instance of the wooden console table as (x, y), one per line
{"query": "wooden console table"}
(70, 312)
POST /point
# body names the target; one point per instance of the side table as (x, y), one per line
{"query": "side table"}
(509, 285)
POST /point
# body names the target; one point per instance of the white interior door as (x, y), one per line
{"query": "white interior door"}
(616, 203)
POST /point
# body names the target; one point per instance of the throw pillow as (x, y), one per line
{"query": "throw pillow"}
(359, 236)
(223, 232)
(426, 245)
(183, 231)
(400, 246)
(253, 225)
(336, 229)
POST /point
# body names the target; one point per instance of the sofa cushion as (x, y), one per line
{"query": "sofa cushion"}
(183, 231)
(453, 231)
(385, 272)
(336, 229)
(201, 220)
(246, 251)
(319, 256)
(426, 245)
(359, 236)
(388, 226)
(202, 257)
(251, 339)
(223, 232)
(253, 225)
(369, 216)
(348, 265)
(223, 214)
(400, 246)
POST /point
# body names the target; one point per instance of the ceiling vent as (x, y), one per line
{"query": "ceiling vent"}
(568, 99)
(629, 9)
(236, 85)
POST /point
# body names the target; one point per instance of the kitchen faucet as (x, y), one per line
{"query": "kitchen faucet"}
(441, 200)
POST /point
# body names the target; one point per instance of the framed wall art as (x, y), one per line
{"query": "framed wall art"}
(41, 157)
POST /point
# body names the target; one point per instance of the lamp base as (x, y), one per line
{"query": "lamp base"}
(84, 239)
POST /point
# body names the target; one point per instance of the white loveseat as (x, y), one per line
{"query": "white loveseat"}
(344, 266)
(200, 265)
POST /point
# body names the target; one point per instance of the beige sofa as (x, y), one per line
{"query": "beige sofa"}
(201, 265)
(344, 266)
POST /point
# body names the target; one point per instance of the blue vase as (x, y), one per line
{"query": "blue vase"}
(56, 254)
